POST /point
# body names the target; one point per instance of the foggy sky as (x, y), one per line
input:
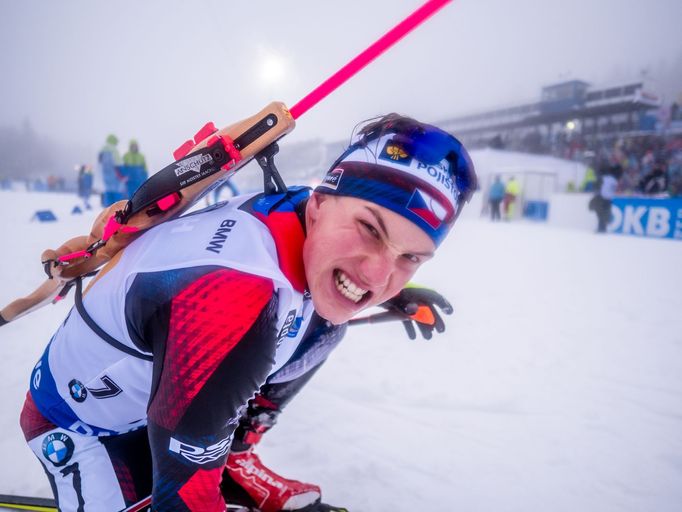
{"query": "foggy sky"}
(158, 70)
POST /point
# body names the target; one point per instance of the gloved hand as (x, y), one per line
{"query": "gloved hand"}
(418, 305)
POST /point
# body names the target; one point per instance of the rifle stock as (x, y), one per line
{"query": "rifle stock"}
(248, 134)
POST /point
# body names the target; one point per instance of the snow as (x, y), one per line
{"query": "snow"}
(556, 385)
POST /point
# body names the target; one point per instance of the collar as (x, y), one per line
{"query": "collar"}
(285, 219)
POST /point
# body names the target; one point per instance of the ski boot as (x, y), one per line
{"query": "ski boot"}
(247, 482)
(268, 491)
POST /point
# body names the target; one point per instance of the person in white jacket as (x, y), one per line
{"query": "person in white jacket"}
(607, 191)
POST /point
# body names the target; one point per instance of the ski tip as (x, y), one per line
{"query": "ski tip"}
(12, 502)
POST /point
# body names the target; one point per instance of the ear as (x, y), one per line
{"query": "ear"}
(313, 207)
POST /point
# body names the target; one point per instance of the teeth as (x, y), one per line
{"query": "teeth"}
(348, 288)
(350, 284)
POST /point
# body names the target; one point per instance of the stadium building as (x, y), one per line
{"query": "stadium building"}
(564, 109)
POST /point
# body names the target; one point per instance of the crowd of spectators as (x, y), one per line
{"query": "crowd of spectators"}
(647, 164)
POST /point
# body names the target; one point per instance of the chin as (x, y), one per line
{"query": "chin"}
(334, 308)
(333, 314)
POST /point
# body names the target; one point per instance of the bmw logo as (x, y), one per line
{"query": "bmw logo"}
(77, 390)
(58, 448)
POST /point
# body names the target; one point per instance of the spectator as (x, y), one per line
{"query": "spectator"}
(495, 197)
(601, 202)
(656, 181)
(629, 180)
(85, 184)
(589, 181)
(512, 191)
(133, 156)
(675, 175)
(52, 183)
(39, 185)
(110, 161)
(648, 160)
(134, 168)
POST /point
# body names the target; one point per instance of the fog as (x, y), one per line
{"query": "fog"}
(158, 70)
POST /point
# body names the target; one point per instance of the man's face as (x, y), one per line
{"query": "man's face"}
(358, 254)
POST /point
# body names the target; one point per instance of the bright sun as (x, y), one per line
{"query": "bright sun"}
(272, 69)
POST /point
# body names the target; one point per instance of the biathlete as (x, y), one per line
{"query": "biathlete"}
(188, 344)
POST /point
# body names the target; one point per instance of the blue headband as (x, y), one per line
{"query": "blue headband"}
(407, 175)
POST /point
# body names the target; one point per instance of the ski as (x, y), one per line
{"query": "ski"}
(11, 502)
(322, 507)
(316, 507)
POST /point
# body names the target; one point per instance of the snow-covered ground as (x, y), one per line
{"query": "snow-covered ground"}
(556, 387)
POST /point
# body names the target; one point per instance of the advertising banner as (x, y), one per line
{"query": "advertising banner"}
(654, 218)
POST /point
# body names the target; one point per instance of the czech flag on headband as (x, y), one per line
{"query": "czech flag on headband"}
(429, 209)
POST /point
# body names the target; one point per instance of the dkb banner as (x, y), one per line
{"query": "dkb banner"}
(655, 218)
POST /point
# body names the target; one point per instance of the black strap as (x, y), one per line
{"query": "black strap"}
(272, 181)
(101, 332)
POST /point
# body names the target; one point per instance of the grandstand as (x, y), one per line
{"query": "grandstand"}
(571, 106)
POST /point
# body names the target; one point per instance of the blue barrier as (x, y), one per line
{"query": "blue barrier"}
(655, 218)
(44, 216)
(536, 210)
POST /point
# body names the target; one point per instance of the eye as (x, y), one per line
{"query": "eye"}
(411, 258)
(370, 229)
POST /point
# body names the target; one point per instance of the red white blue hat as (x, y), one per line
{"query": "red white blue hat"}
(413, 169)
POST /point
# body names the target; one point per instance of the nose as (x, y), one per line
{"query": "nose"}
(376, 268)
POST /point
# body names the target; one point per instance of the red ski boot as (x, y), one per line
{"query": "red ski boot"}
(269, 491)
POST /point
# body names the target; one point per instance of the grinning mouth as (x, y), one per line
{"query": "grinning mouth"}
(348, 288)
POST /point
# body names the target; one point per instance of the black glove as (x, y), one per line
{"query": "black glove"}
(416, 304)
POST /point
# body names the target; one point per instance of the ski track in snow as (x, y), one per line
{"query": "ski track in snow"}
(556, 385)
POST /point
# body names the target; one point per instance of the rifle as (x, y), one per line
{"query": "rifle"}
(202, 163)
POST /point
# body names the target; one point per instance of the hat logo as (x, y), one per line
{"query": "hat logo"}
(333, 178)
(427, 208)
(394, 152)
